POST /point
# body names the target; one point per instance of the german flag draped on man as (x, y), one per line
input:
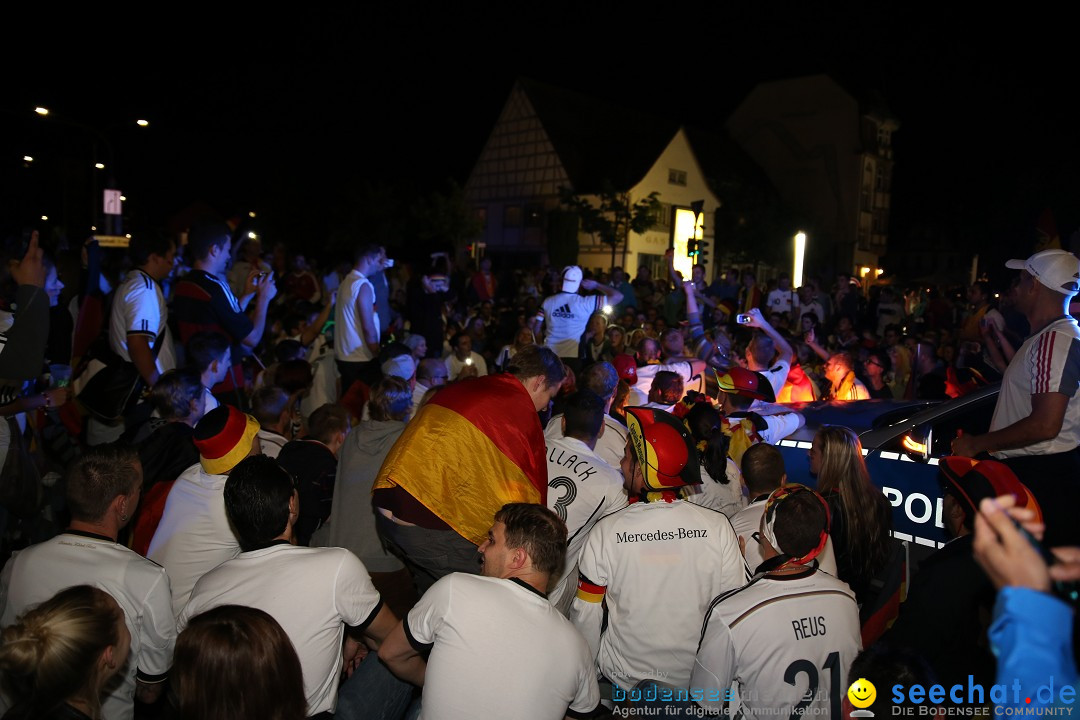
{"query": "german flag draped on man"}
(477, 445)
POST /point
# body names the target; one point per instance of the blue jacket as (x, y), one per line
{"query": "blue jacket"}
(1032, 637)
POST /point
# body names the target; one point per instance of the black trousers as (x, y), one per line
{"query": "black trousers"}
(1054, 480)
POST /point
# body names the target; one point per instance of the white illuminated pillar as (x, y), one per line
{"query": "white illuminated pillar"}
(800, 254)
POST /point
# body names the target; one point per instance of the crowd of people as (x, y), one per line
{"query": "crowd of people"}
(237, 484)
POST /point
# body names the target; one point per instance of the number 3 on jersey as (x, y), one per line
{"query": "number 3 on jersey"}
(566, 498)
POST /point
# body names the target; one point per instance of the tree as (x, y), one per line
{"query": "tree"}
(615, 217)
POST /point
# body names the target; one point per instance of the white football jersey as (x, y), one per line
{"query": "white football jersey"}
(658, 565)
(565, 318)
(610, 446)
(787, 641)
(582, 488)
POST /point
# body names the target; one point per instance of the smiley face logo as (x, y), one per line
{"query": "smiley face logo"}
(862, 693)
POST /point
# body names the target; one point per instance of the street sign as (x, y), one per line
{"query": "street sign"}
(113, 203)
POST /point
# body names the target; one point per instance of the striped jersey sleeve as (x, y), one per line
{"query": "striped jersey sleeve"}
(1054, 364)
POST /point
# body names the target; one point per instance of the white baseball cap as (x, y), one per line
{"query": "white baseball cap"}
(401, 366)
(571, 279)
(1058, 270)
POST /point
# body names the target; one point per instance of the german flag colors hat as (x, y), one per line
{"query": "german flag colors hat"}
(740, 381)
(663, 448)
(969, 481)
(223, 438)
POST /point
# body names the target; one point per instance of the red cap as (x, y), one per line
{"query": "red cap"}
(626, 367)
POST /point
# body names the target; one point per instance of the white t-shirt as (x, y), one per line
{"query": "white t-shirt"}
(349, 343)
(782, 301)
(787, 642)
(271, 442)
(139, 309)
(582, 488)
(777, 375)
(1047, 362)
(777, 425)
(454, 365)
(647, 373)
(417, 395)
(565, 317)
(610, 446)
(499, 650)
(659, 565)
(726, 498)
(815, 307)
(139, 586)
(747, 521)
(194, 535)
(313, 593)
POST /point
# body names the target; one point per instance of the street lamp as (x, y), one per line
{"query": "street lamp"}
(800, 255)
(41, 111)
(99, 166)
(142, 123)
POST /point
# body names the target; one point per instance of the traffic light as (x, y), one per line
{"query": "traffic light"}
(702, 255)
(691, 248)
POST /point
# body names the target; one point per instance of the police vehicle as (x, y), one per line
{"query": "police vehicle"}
(902, 442)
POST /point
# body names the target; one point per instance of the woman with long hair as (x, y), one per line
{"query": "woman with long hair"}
(722, 487)
(861, 515)
(236, 663)
(57, 659)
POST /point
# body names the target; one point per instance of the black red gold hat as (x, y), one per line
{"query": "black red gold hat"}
(969, 481)
(664, 448)
(223, 438)
(740, 381)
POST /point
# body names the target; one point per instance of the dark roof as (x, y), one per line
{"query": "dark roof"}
(723, 160)
(598, 142)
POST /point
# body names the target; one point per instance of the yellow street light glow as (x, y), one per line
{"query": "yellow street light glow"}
(99, 166)
(93, 227)
(800, 256)
(27, 158)
(142, 123)
(128, 236)
(123, 198)
(252, 235)
(864, 271)
(879, 272)
(44, 217)
(41, 110)
(251, 214)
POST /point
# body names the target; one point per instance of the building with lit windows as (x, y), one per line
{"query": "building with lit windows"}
(547, 138)
(830, 158)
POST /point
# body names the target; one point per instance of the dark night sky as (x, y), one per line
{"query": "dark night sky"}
(282, 113)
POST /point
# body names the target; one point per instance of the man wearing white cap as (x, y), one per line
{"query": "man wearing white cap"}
(1036, 424)
(565, 314)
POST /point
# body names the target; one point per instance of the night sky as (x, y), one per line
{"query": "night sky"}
(286, 114)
